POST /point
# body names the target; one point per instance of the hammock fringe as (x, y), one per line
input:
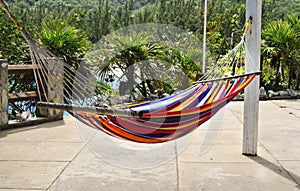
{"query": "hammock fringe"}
(228, 78)
(118, 112)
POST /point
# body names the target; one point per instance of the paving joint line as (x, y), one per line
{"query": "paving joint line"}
(34, 161)
(290, 175)
(85, 146)
(39, 189)
(177, 168)
(233, 112)
(68, 164)
(280, 165)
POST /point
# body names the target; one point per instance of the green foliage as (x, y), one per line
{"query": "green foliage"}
(281, 51)
(121, 53)
(12, 46)
(138, 59)
(99, 17)
(103, 89)
(136, 4)
(124, 51)
(64, 40)
(182, 14)
(15, 50)
(274, 9)
(97, 20)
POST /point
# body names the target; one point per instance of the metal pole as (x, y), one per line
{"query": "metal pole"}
(251, 99)
(204, 37)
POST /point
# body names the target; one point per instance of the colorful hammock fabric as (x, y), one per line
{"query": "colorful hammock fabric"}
(169, 118)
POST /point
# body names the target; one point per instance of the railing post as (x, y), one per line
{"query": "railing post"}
(55, 87)
(251, 100)
(4, 94)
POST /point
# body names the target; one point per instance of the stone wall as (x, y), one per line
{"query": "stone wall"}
(55, 87)
(4, 94)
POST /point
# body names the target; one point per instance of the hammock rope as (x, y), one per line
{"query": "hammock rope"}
(155, 121)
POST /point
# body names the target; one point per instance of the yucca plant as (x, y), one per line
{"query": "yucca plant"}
(282, 39)
(64, 40)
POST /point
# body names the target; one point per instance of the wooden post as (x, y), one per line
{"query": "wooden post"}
(251, 99)
(3, 94)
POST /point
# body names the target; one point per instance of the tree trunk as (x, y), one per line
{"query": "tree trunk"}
(277, 79)
(144, 90)
(290, 76)
(298, 82)
(151, 88)
(127, 87)
(282, 74)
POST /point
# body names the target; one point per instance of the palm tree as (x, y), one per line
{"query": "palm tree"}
(294, 22)
(121, 53)
(145, 67)
(64, 40)
(281, 45)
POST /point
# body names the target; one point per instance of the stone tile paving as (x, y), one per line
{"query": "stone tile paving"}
(53, 157)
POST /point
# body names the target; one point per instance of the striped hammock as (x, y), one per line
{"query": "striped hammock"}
(168, 118)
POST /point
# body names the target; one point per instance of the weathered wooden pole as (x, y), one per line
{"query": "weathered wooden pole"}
(3, 94)
(251, 99)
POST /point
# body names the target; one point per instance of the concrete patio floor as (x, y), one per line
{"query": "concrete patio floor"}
(56, 156)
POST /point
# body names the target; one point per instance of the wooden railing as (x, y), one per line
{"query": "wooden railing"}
(5, 70)
(22, 69)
